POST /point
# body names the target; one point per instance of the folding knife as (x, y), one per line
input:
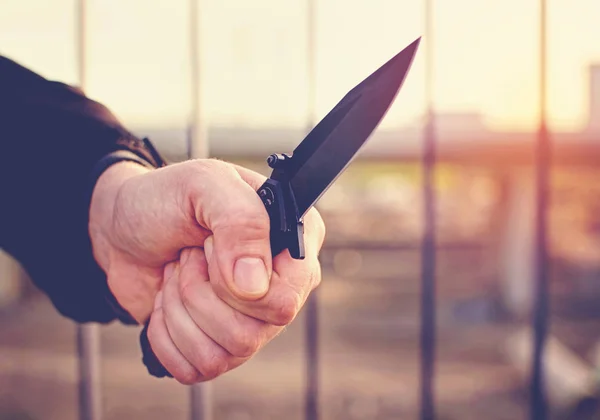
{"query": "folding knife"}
(300, 179)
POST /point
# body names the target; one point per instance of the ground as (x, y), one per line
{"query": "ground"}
(369, 357)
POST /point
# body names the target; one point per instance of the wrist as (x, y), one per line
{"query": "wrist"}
(101, 227)
(104, 198)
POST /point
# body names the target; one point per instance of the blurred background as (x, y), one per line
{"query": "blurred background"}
(244, 80)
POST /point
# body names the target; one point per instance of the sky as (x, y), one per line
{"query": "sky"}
(254, 57)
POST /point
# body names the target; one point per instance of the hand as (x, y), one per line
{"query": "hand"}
(200, 329)
(216, 308)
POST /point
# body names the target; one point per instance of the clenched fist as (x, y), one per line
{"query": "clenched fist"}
(189, 245)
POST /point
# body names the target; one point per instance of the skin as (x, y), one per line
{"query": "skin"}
(188, 244)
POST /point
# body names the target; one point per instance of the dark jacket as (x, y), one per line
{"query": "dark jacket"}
(51, 137)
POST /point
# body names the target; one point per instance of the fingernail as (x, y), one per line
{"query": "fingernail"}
(250, 275)
(208, 247)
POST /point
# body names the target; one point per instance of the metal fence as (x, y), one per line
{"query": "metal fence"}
(201, 407)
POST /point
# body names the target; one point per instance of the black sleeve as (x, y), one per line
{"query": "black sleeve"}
(51, 138)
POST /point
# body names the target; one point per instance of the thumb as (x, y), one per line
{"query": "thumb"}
(250, 274)
(239, 252)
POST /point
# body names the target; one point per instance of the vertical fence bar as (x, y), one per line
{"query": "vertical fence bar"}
(199, 141)
(80, 23)
(311, 401)
(201, 403)
(538, 405)
(312, 358)
(428, 257)
(88, 335)
(88, 349)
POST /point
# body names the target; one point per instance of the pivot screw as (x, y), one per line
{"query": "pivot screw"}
(277, 161)
(267, 196)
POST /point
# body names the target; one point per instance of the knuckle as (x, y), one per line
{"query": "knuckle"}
(207, 166)
(157, 316)
(215, 365)
(317, 227)
(185, 293)
(285, 308)
(316, 221)
(253, 219)
(321, 228)
(315, 276)
(186, 376)
(245, 343)
(195, 169)
(319, 223)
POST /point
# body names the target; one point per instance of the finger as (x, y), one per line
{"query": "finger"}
(314, 233)
(158, 301)
(169, 270)
(167, 353)
(240, 335)
(165, 350)
(230, 208)
(209, 358)
(291, 282)
(254, 179)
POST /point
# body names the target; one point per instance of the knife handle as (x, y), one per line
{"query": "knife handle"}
(287, 229)
(287, 232)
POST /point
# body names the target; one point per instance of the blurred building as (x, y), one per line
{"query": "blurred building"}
(454, 130)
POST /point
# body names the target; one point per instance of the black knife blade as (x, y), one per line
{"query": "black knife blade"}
(299, 180)
(326, 151)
